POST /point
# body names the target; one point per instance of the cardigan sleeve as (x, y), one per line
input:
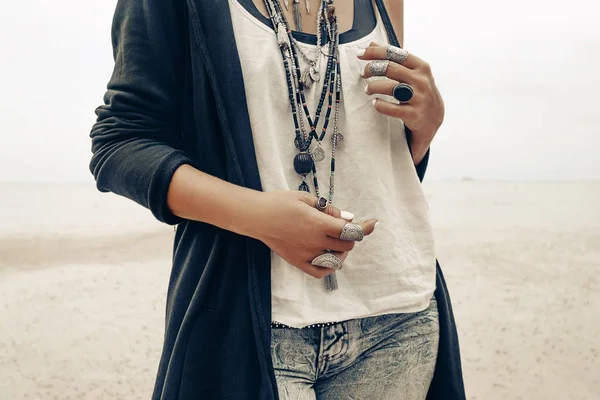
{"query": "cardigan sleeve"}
(136, 139)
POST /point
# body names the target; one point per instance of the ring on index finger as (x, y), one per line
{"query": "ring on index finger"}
(395, 54)
(352, 231)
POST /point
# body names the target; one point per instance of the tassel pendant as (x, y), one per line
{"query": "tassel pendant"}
(331, 282)
(304, 187)
(306, 79)
(315, 75)
(307, 2)
(297, 16)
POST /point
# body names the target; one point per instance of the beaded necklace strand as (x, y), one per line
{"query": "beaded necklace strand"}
(305, 160)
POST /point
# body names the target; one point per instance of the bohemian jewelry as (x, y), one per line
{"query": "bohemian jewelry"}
(352, 231)
(395, 54)
(311, 73)
(297, 15)
(379, 67)
(403, 93)
(321, 204)
(327, 260)
(304, 162)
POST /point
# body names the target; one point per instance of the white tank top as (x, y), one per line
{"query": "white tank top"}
(393, 269)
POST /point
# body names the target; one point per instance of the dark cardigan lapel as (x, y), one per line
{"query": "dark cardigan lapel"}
(217, 46)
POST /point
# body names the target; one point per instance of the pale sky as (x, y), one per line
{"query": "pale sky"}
(519, 78)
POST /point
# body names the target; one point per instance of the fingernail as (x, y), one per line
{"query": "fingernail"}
(360, 53)
(347, 215)
(376, 223)
(374, 101)
(367, 89)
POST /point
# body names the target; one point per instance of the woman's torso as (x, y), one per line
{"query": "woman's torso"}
(391, 271)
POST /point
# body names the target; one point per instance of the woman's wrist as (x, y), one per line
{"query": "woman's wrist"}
(197, 196)
(248, 213)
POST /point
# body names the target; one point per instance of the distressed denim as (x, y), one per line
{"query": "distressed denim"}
(390, 356)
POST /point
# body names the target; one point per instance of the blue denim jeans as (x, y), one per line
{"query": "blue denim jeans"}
(385, 357)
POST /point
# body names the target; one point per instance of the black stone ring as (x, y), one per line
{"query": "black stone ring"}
(403, 93)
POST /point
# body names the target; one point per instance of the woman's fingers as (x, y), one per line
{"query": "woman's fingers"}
(385, 87)
(394, 71)
(330, 210)
(314, 271)
(321, 272)
(405, 112)
(334, 244)
(333, 221)
(334, 227)
(368, 226)
(377, 52)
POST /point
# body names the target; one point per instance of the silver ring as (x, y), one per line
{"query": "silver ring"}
(321, 204)
(379, 67)
(403, 93)
(395, 54)
(327, 260)
(352, 231)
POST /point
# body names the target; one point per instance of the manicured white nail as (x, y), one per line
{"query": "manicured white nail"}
(367, 89)
(376, 223)
(360, 53)
(374, 101)
(347, 215)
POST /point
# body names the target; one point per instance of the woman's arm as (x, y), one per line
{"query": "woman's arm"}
(425, 113)
(137, 149)
(136, 144)
(419, 146)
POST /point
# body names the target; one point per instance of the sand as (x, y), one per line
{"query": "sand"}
(83, 277)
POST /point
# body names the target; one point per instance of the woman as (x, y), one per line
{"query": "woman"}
(246, 124)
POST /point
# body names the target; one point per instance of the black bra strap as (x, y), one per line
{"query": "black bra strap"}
(393, 39)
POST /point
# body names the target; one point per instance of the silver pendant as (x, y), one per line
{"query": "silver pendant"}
(318, 154)
(286, 3)
(307, 6)
(337, 139)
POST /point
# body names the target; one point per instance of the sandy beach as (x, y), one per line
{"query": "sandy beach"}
(83, 277)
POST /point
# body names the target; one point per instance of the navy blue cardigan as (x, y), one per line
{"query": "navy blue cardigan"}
(176, 96)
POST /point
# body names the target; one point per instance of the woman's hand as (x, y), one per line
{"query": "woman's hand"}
(286, 221)
(289, 223)
(424, 113)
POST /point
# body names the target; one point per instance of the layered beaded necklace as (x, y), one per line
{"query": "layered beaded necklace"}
(306, 159)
